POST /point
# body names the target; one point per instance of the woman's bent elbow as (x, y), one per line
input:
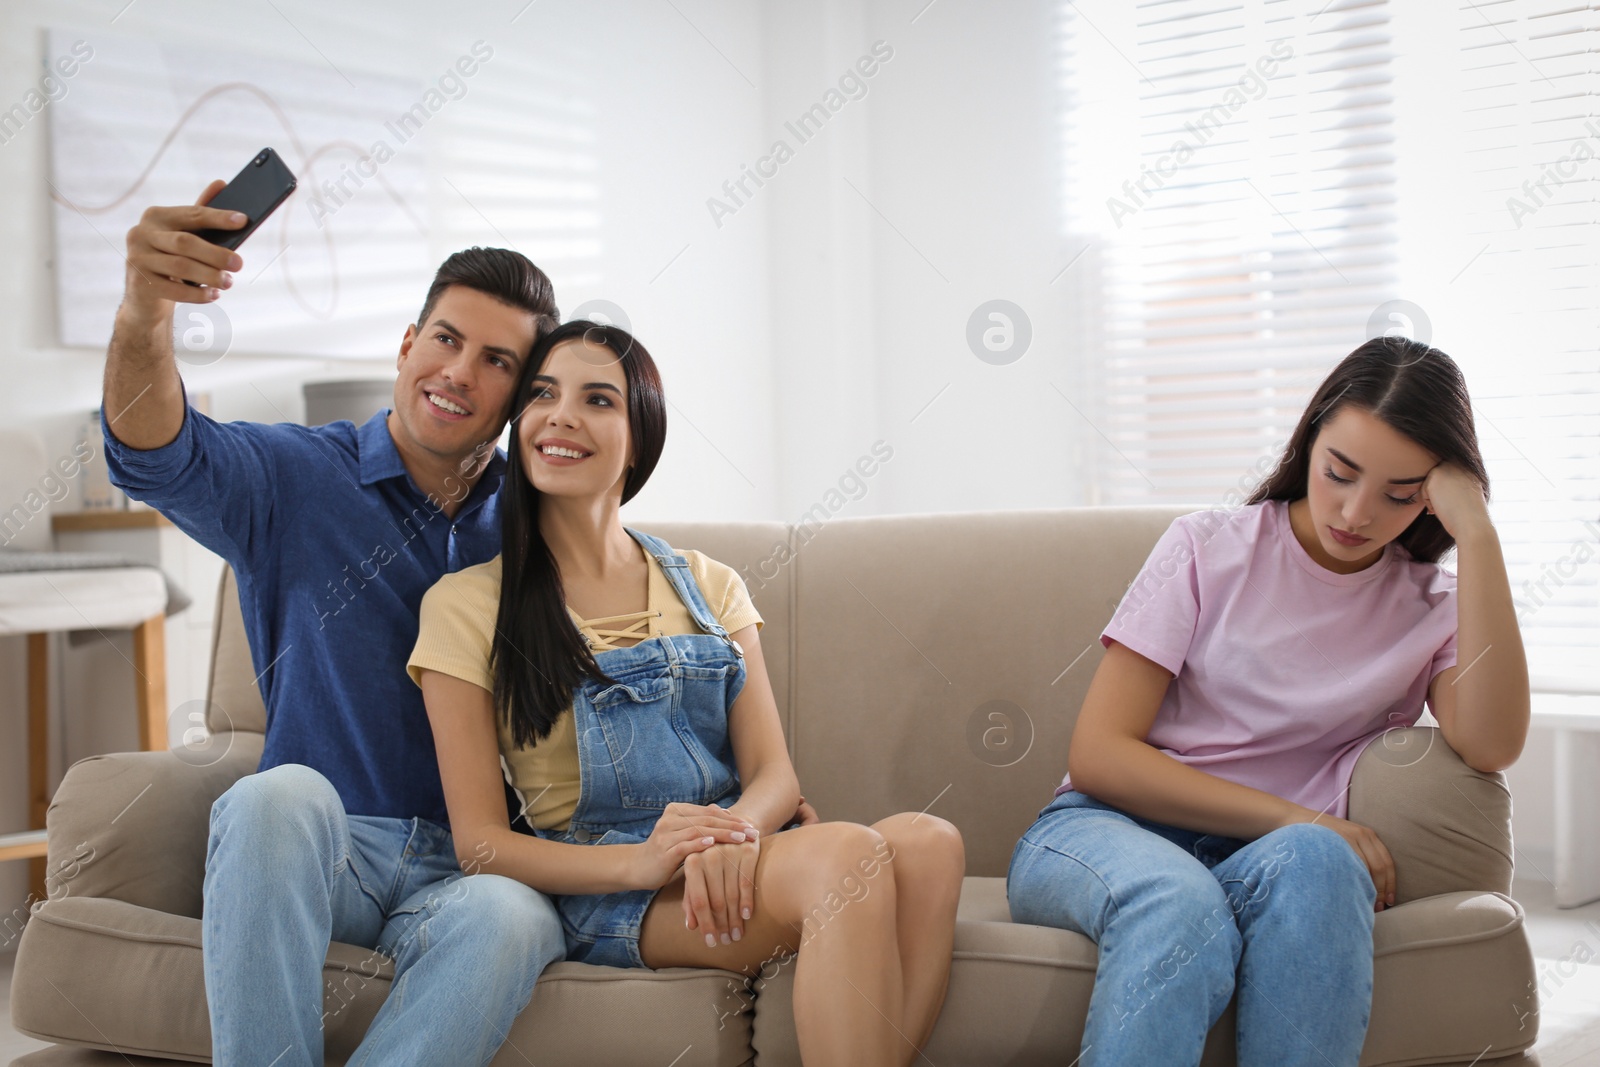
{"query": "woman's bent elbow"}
(475, 853)
(1081, 768)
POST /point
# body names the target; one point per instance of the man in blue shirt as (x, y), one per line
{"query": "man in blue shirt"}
(334, 534)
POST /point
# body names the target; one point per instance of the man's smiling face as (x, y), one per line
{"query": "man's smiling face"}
(458, 371)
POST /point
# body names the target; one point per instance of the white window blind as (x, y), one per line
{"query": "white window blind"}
(1246, 243)
(522, 170)
(1530, 131)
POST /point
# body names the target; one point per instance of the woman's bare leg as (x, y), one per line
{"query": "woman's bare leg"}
(814, 895)
(929, 862)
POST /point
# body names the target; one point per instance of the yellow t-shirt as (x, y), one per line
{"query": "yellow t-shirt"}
(456, 632)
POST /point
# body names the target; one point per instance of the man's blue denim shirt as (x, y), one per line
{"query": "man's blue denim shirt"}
(333, 545)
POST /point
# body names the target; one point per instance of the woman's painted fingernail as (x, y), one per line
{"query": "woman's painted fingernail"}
(708, 840)
(747, 915)
(737, 836)
(737, 933)
(711, 941)
(726, 940)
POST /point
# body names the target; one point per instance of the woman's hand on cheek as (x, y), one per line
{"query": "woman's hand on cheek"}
(1451, 494)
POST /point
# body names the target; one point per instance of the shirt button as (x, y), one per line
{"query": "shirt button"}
(581, 836)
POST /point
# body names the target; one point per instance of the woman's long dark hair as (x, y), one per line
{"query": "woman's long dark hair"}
(1415, 389)
(538, 657)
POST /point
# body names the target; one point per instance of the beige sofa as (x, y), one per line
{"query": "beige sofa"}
(922, 662)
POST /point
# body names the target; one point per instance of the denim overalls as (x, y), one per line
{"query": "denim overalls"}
(659, 734)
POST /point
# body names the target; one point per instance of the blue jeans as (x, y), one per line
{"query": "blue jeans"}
(287, 870)
(1184, 921)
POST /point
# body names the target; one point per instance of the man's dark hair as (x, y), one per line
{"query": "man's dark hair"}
(510, 277)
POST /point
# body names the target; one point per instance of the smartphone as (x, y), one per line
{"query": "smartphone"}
(257, 190)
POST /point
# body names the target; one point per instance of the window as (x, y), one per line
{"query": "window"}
(1258, 181)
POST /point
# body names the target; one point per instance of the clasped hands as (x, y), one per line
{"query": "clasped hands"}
(716, 851)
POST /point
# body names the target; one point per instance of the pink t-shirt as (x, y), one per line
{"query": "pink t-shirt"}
(1284, 670)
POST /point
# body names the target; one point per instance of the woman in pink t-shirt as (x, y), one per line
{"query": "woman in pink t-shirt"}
(1199, 838)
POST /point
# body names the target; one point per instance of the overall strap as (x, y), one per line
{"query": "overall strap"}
(676, 568)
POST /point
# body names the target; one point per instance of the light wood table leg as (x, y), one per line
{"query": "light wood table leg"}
(150, 687)
(38, 749)
(150, 661)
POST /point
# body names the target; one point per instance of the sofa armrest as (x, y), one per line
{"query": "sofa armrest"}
(1447, 825)
(133, 826)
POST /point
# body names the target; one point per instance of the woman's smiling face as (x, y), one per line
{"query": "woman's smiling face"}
(574, 432)
(1363, 489)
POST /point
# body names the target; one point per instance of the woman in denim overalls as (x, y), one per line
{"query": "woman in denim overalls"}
(685, 779)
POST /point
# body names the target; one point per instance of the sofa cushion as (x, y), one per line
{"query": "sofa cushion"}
(133, 825)
(1019, 993)
(113, 975)
(1447, 825)
(946, 657)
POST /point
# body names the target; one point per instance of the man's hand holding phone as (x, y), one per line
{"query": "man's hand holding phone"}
(179, 255)
(165, 255)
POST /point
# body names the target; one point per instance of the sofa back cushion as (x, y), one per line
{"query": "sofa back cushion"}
(940, 661)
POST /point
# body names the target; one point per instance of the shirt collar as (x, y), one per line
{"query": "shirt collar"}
(380, 459)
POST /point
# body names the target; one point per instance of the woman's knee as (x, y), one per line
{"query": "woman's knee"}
(927, 842)
(1096, 880)
(1314, 859)
(833, 860)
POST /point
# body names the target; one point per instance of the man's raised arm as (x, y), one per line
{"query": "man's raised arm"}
(143, 396)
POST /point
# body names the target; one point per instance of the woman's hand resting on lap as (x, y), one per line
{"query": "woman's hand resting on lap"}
(685, 830)
(1372, 851)
(717, 852)
(719, 889)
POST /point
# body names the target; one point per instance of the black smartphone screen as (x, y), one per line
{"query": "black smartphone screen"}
(257, 190)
